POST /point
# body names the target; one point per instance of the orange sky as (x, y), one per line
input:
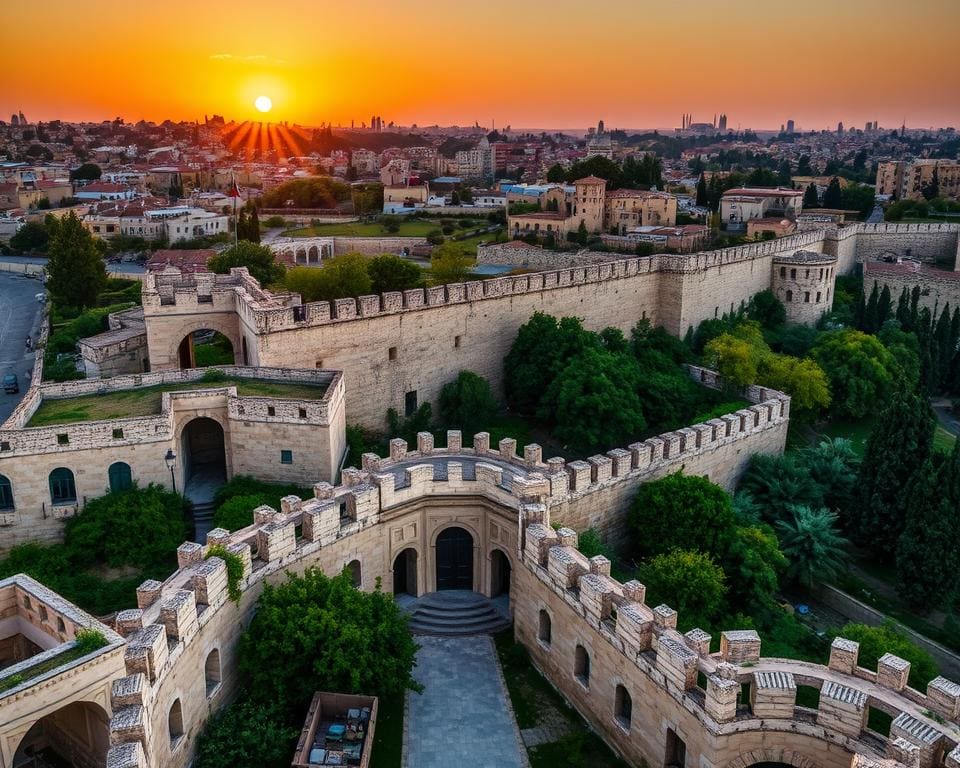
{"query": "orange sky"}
(562, 63)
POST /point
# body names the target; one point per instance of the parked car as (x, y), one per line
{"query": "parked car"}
(11, 385)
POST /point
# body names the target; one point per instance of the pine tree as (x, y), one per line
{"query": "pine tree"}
(900, 444)
(76, 273)
(811, 198)
(702, 199)
(928, 561)
(903, 308)
(870, 316)
(945, 347)
(884, 307)
(833, 195)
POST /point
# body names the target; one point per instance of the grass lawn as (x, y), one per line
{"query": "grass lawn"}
(943, 441)
(408, 228)
(43, 667)
(534, 699)
(388, 741)
(145, 401)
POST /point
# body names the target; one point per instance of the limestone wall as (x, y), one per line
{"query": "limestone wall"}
(374, 246)
(520, 254)
(938, 287)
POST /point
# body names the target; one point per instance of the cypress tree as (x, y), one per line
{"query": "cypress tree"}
(914, 303)
(253, 226)
(884, 307)
(833, 195)
(900, 444)
(928, 561)
(903, 308)
(870, 316)
(702, 199)
(945, 351)
(860, 310)
(811, 199)
(76, 273)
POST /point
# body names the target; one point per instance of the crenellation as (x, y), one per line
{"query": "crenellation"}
(398, 449)
(601, 468)
(566, 565)
(773, 694)
(425, 443)
(579, 472)
(129, 622)
(275, 540)
(944, 697)
(454, 441)
(677, 662)
(508, 449)
(540, 538)
(148, 593)
(210, 582)
(481, 443)
(189, 553)
(892, 672)
(127, 755)
(739, 646)
(842, 709)
(532, 455)
(664, 617)
(844, 655)
(698, 641)
(178, 614)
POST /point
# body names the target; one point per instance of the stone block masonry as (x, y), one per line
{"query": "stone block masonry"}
(401, 348)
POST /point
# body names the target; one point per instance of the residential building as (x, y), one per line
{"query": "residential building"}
(403, 198)
(909, 180)
(625, 209)
(738, 206)
(104, 190)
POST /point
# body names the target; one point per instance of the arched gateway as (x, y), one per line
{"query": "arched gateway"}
(454, 559)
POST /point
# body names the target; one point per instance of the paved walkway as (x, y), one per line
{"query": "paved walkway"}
(463, 718)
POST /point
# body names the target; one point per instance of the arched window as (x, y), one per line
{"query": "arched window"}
(622, 707)
(62, 488)
(789, 295)
(581, 666)
(6, 493)
(545, 632)
(211, 672)
(120, 476)
(354, 567)
(175, 723)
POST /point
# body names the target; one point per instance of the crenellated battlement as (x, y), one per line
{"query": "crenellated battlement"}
(925, 725)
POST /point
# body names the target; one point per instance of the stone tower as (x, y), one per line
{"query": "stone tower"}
(588, 203)
(803, 281)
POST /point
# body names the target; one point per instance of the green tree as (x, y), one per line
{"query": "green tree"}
(803, 166)
(811, 197)
(833, 195)
(582, 234)
(898, 447)
(76, 273)
(32, 237)
(245, 733)
(86, 172)
(542, 349)
(681, 512)
(313, 192)
(861, 371)
(593, 402)
(393, 273)
(449, 263)
(258, 259)
(314, 632)
(887, 638)
(803, 380)
(467, 403)
(556, 174)
(765, 308)
(752, 567)
(702, 199)
(814, 548)
(736, 358)
(688, 581)
(343, 276)
(928, 565)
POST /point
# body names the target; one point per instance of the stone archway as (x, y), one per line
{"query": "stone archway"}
(204, 462)
(205, 347)
(772, 757)
(77, 734)
(500, 573)
(405, 572)
(454, 558)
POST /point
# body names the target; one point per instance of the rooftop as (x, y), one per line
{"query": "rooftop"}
(184, 260)
(763, 192)
(805, 257)
(146, 401)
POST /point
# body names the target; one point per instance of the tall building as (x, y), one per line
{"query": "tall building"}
(600, 128)
(790, 126)
(723, 122)
(840, 128)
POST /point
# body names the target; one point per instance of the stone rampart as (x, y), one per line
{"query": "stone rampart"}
(520, 254)
(374, 246)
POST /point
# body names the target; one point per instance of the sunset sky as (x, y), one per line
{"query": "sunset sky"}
(562, 64)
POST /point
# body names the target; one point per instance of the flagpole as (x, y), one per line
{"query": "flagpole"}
(235, 192)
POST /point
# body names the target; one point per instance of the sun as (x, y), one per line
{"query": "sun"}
(263, 103)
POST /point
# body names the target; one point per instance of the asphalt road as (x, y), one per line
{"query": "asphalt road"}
(20, 314)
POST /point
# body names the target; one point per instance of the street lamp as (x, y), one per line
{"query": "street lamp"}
(171, 461)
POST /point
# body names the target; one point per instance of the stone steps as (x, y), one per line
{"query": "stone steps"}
(456, 614)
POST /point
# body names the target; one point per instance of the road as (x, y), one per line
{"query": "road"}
(949, 418)
(20, 314)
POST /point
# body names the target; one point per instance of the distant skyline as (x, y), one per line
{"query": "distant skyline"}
(429, 62)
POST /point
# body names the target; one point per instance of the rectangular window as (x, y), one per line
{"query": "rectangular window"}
(302, 413)
(806, 296)
(118, 434)
(392, 353)
(456, 342)
(793, 274)
(286, 457)
(783, 271)
(410, 403)
(63, 439)
(271, 411)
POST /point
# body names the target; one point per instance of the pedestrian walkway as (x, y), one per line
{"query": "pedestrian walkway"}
(463, 718)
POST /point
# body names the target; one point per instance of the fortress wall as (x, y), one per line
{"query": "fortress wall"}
(936, 289)
(374, 246)
(427, 351)
(924, 241)
(520, 254)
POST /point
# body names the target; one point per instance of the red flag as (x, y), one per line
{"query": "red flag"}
(234, 190)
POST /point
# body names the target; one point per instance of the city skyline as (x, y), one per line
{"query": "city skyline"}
(633, 67)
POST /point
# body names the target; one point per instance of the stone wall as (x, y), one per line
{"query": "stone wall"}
(938, 286)
(374, 246)
(255, 429)
(520, 254)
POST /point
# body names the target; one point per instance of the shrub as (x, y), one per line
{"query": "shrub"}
(467, 403)
(89, 640)
(237, 513)
(245, 733)
(234, 569)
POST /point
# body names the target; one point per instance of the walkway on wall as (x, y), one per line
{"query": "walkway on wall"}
(463, 718)
(456, 612)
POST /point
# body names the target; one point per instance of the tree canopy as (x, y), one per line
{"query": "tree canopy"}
(860, 369)
(76, 272)
(258, 259)
(467, 403)
(393, 273)
(314, 192)
(689, 582)
(449, 263)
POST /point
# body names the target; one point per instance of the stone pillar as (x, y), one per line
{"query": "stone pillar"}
(773, 694)
(721, 699)
(892, 672)
(944, 697)
(425, 443)
(738, 646)
(842, 709)
(454, 441)
(844, 655)
(189, 553)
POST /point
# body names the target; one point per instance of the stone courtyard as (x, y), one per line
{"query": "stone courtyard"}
(463, 718)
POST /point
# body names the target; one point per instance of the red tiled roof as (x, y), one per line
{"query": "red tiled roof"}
(184, 260)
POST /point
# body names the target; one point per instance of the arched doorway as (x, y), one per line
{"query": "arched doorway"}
(204, 462)
(499, 573)
(75, 735)
(205, 347)
(405, 573)
(120, 476)
(454, 556)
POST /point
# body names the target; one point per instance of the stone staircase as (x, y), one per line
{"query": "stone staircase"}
(455, 613)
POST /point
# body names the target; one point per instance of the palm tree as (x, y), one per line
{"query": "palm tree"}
(812, 545)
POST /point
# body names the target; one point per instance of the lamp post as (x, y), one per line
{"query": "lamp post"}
(171, 461)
